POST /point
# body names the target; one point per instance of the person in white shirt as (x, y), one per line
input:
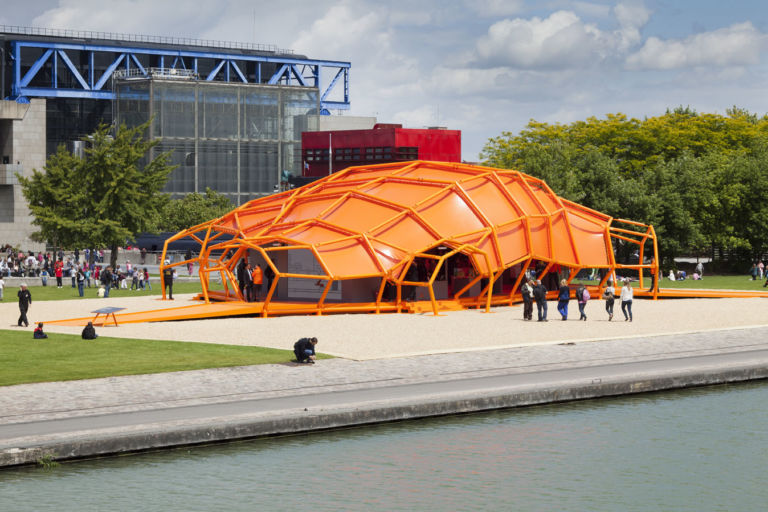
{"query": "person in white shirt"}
(2, 285)
(626, 300)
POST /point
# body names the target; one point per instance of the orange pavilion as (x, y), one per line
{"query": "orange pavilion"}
(410, 236)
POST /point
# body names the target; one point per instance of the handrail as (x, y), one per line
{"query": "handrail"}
(140, 38)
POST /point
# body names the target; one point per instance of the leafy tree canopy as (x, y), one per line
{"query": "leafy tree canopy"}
(632, 143)
(700, 179)
(101, 200)
(193, 209)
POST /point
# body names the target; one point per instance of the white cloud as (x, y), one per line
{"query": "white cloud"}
(737, 45)
(486, 65)
(631, 17)
(147, 17)
(562, 40)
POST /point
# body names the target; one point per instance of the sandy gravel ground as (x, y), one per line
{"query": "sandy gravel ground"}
(363, 336)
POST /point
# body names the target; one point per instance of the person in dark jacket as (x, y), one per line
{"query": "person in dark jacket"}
(540, 295)
(168, 279)
(269, 275)
(25, 300)
(527, 293)
(106, 280)
(241, 277)
(563, 298)
(39, 334)
(304, 350)
(89, 333)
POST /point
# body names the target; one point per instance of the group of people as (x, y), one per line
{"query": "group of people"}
(118, 278)
(25, 301)
(758, 271)
(89, 332)
(18, 263)
(682, 275)
(249, 279)
(534, 291)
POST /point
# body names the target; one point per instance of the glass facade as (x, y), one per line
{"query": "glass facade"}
(233, 138)
(70, 119)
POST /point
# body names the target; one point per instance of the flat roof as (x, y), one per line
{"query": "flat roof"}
(19, 33)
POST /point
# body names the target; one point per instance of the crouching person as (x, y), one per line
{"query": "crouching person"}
(304, 350)
(89, 333)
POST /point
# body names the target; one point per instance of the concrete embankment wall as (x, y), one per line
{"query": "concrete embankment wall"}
(323, 416)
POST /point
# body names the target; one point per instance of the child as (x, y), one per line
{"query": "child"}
(39, 334)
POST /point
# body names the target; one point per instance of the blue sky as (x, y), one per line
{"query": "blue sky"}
(480, 66)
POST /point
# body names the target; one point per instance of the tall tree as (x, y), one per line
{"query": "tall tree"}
(103, 199)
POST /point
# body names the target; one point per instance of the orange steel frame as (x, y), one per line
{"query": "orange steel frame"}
(273, 231)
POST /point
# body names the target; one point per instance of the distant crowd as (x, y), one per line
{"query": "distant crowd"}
(82, 270)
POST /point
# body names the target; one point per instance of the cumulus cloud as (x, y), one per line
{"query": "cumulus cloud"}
(737, 45)
(631, 17)
(561, 40)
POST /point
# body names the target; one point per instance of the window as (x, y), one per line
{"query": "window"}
(407, 153)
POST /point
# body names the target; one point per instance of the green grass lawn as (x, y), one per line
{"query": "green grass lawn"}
(69, 357)
(725, 282)
(40, 293)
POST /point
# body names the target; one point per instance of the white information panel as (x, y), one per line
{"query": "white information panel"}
(303, 262)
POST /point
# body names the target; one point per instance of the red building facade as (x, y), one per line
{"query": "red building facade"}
(384, 143)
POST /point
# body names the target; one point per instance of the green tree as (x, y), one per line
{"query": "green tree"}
(193, 209)
(699, 178)
(101, 200)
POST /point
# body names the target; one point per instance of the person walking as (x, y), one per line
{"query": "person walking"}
(147, 284)
(563, 297)
(582, 295)
(190, 264)
(540, 294)
(2, 286)
(106, 280)
(700, 269)
(80, 280)
(168, 279)
(626, 300)
(25, 300)
(609, 294)
(527, 292)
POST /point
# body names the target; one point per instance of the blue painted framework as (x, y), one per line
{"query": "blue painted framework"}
(291, 71)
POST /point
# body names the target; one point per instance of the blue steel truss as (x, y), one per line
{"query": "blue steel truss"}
(87, 82)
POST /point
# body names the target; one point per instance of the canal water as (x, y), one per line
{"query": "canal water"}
(703, 449)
